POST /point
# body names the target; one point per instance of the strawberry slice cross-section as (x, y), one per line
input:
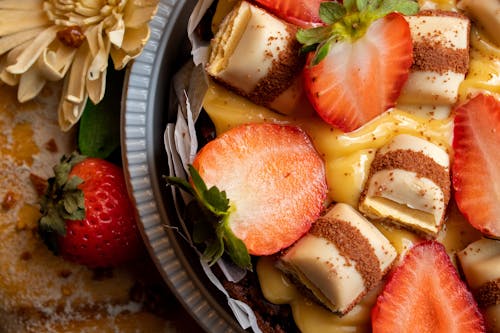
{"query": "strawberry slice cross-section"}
(425, 294)
(361, 60)
(476, 164)
(274, 180)
(304, 13)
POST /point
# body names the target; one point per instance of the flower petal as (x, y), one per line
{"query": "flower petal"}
(139, 12)
(54, 63)
(19, 20)
(96, 75)
(33, 51)
(6, 77)
(135, 39)
(21, 4)
(10, 41)
(120, 58)
(9, 59)
(75, 91)
(30, 84)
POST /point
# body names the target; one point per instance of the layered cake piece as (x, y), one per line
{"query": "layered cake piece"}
(409, 185)
(341, 258)
(441, 57)
(256, 55)
(480, 263)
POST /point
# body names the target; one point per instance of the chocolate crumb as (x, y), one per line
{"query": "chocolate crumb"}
(9, 200)
(39, 183)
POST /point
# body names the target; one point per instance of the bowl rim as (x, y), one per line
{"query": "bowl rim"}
(142, 153)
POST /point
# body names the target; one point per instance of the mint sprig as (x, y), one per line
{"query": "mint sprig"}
(348, 22)
(209, 213)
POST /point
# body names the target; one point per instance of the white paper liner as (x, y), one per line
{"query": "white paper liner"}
(243, 313)
(199, 49)
(190, 85)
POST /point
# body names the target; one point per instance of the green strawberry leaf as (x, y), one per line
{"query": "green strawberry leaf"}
(53, 222)
(62, 201)
(405, 7)
(361, 4)
(209, 212)
(331, 12)
(236, 249)
(180, 183)
(313, 36)
(322, 52)
(349, 5)
(348, 21)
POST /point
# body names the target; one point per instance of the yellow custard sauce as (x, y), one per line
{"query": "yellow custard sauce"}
(347, 159)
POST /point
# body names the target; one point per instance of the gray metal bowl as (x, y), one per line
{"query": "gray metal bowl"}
(144, 117)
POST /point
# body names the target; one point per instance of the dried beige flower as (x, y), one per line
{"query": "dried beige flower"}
(48, 40)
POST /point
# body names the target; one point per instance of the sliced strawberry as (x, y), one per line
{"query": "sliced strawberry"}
(425, 294)
(274, 180)
(359, 80)
(304, 13)
(476, 164)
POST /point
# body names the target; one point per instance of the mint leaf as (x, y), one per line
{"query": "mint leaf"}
(99, 128)
(214, 200)
(331, 12)
(213, 251)
(209, 213)
(236, 249)
(181, 183)
(217, 199)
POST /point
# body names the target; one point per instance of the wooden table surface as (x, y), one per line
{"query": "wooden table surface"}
(38, 290)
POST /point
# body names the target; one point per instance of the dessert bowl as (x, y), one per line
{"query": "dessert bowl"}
(149, 105)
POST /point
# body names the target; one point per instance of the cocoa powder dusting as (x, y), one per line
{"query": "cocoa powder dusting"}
(281, 74)
(488, 294)
(418, 162)
(434, 57)
(352, 245)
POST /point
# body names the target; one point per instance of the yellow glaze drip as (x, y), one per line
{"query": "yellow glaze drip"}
(347, 155)
(484, 66)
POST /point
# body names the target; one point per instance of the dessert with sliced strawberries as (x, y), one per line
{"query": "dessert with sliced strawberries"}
(368, 66)
(425, 294)
(480, 262)
(409, 184)
(341, 259)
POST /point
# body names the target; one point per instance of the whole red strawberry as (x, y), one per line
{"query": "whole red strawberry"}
(88, 217)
